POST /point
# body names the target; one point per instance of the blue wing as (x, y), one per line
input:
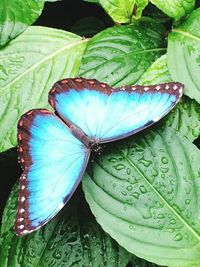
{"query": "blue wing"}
(53, 161)
(107, 114)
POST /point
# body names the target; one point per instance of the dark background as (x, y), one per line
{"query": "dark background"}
(62, 15)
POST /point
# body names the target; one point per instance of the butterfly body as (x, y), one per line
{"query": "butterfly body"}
(90, 143)
(54, 149)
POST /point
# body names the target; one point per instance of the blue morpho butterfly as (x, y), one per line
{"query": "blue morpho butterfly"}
(54, 148)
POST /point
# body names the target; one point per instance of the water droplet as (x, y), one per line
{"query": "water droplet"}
(164, 170)
(135, 195)
(170, 230)
(188, 190)
(145, 162)
(113, 159)
(172, 221)
(172, 182)
(147, 215)
(139, 149)
(187, 201)
(124, 193)
(132, 227)
(128, 171)
(143, 189)
(160, 216)
(119, 167)
(129, 188)
(178, 237)
(164, 160)
(189, 214)
(114, 185)
(170, 190)
(154, 173)
(57, 254)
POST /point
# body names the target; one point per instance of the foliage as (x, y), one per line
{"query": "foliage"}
(16, 16)
(73, 238)
(144, 190)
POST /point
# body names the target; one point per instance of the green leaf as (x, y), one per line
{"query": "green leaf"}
(144, 191)
(120, 55)
(139, 7)
(175, 8)
(184, 53)
(185, 117)
(120, 11)
(29, 66)
(72, 238)
(157, 73)
(16, 16)
(123, 11)
(88, 26)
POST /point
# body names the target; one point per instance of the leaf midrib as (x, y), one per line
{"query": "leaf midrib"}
(34, 66)
(162, 198)
(186, 34)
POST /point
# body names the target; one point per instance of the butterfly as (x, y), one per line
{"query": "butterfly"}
(54, 148)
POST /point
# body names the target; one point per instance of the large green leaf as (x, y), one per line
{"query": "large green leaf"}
(144, 191)
(185, 117)
(29, 66)
(184, 54)
(123, 11)
(139, 7)
(157, 73)
(16, 16)
(73, 238)
(175, 8)
(120, 55)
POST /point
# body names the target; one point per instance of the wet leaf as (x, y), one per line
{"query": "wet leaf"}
(29, 66)
(185, 117)
(16, 16)
(175, 8)
(144, 192)
(184, 53)
(72, 238)
(124, 11)
(120, 55)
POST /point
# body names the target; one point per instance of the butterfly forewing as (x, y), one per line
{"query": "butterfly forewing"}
(53, 161)
(107, 114)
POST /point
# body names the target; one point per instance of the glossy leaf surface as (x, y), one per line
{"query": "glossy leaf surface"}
(16, 16)
(31, 64)
(120, 55)
(184, 53)
(175, 8)
(124, 11)
(144, 192)
(73, 238)
(185, 117)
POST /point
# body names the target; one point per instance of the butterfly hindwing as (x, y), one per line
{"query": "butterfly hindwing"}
(108, 114)
(53, 161)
